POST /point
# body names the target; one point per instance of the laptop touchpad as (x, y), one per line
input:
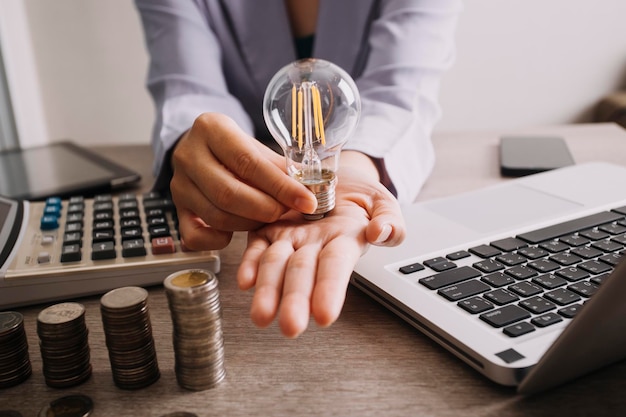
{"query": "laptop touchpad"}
(502, 208)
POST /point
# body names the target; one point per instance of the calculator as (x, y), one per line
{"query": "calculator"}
(61, 249)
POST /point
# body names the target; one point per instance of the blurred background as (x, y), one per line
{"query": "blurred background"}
(76, 69)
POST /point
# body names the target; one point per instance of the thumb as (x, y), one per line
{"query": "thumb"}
(386, 227)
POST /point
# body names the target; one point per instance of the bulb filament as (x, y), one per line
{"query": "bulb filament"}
(306, 101)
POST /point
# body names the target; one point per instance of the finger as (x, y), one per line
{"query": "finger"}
(386, 227)
(269, 283)
(247, 272)
(217, 184)
(295, 306)
(197, 235)
(233, 148)
(336, 262)
(186, 194)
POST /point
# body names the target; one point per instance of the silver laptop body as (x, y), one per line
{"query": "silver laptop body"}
(547, 356)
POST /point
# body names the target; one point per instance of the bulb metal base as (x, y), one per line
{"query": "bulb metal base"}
(324, 191)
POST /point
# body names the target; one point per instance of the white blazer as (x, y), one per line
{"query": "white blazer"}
(219, 55)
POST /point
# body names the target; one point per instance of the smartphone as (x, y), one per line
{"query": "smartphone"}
(525, 155)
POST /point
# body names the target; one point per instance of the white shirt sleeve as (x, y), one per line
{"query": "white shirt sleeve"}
(411, 46)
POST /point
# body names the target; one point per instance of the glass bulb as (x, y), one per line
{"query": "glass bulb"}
(311, 108)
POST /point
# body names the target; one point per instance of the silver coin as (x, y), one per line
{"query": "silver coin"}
(10, 321)
(61, 313)
(123, 297)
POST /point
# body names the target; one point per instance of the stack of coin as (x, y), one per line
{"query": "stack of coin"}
(128, 334)
(194, 303)
(15, 365)
(64, 345)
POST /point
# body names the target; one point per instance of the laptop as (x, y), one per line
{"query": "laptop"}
(521, 280)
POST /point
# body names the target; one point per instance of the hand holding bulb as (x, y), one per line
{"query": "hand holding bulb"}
(301, 268)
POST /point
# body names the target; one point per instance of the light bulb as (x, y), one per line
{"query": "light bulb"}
(311, 108)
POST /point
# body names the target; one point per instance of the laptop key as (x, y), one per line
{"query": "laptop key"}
(519, 329)
(562, 296)
(533, 252)
(521, 272)
(439, 264)
(409, 269)
(501, 296)
(550, 281)
(546, 320)
(570, 311)
(537, 305)
(600, 278)
(611, 259)
(463, 290)
(566, 258)
(526, 289)
(453, 276)
(504, 316)
(475, 305)
(455, 256)
(484, 251)
(488, 265)
(572, 274)
(544, 265)
(498, 279)
(584, 288)
(509, 244)
(595, 267)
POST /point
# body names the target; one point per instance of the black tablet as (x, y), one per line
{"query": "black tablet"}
(59, 169)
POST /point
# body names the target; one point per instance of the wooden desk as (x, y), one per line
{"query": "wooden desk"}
(369, 363)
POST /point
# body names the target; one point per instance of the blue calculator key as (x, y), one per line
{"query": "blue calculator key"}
(52, 211)
(49, 222)
(53, 201)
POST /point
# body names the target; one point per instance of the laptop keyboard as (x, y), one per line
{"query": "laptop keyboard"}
(532, 280)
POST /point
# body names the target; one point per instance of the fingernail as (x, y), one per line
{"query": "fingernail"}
(384, 234)
(304, 205)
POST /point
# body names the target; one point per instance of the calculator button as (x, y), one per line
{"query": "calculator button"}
(162, 245)
(53, 201)
(127, 204)
(52, 211)
(133, 247)
(74, 227)
(49, 222)
(76, 208)
(70, 253)
(127, 223)
(129, 214)
(159, 231)
(131, 233)
(47, 240)
(74, 218)
(103, 235)
(72, 237)
(103, 250)
(106, 207)
(43, 257)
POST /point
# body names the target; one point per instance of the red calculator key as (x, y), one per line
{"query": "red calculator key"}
(161, 245)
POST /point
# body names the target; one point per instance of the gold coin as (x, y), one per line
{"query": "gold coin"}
(191, 278)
